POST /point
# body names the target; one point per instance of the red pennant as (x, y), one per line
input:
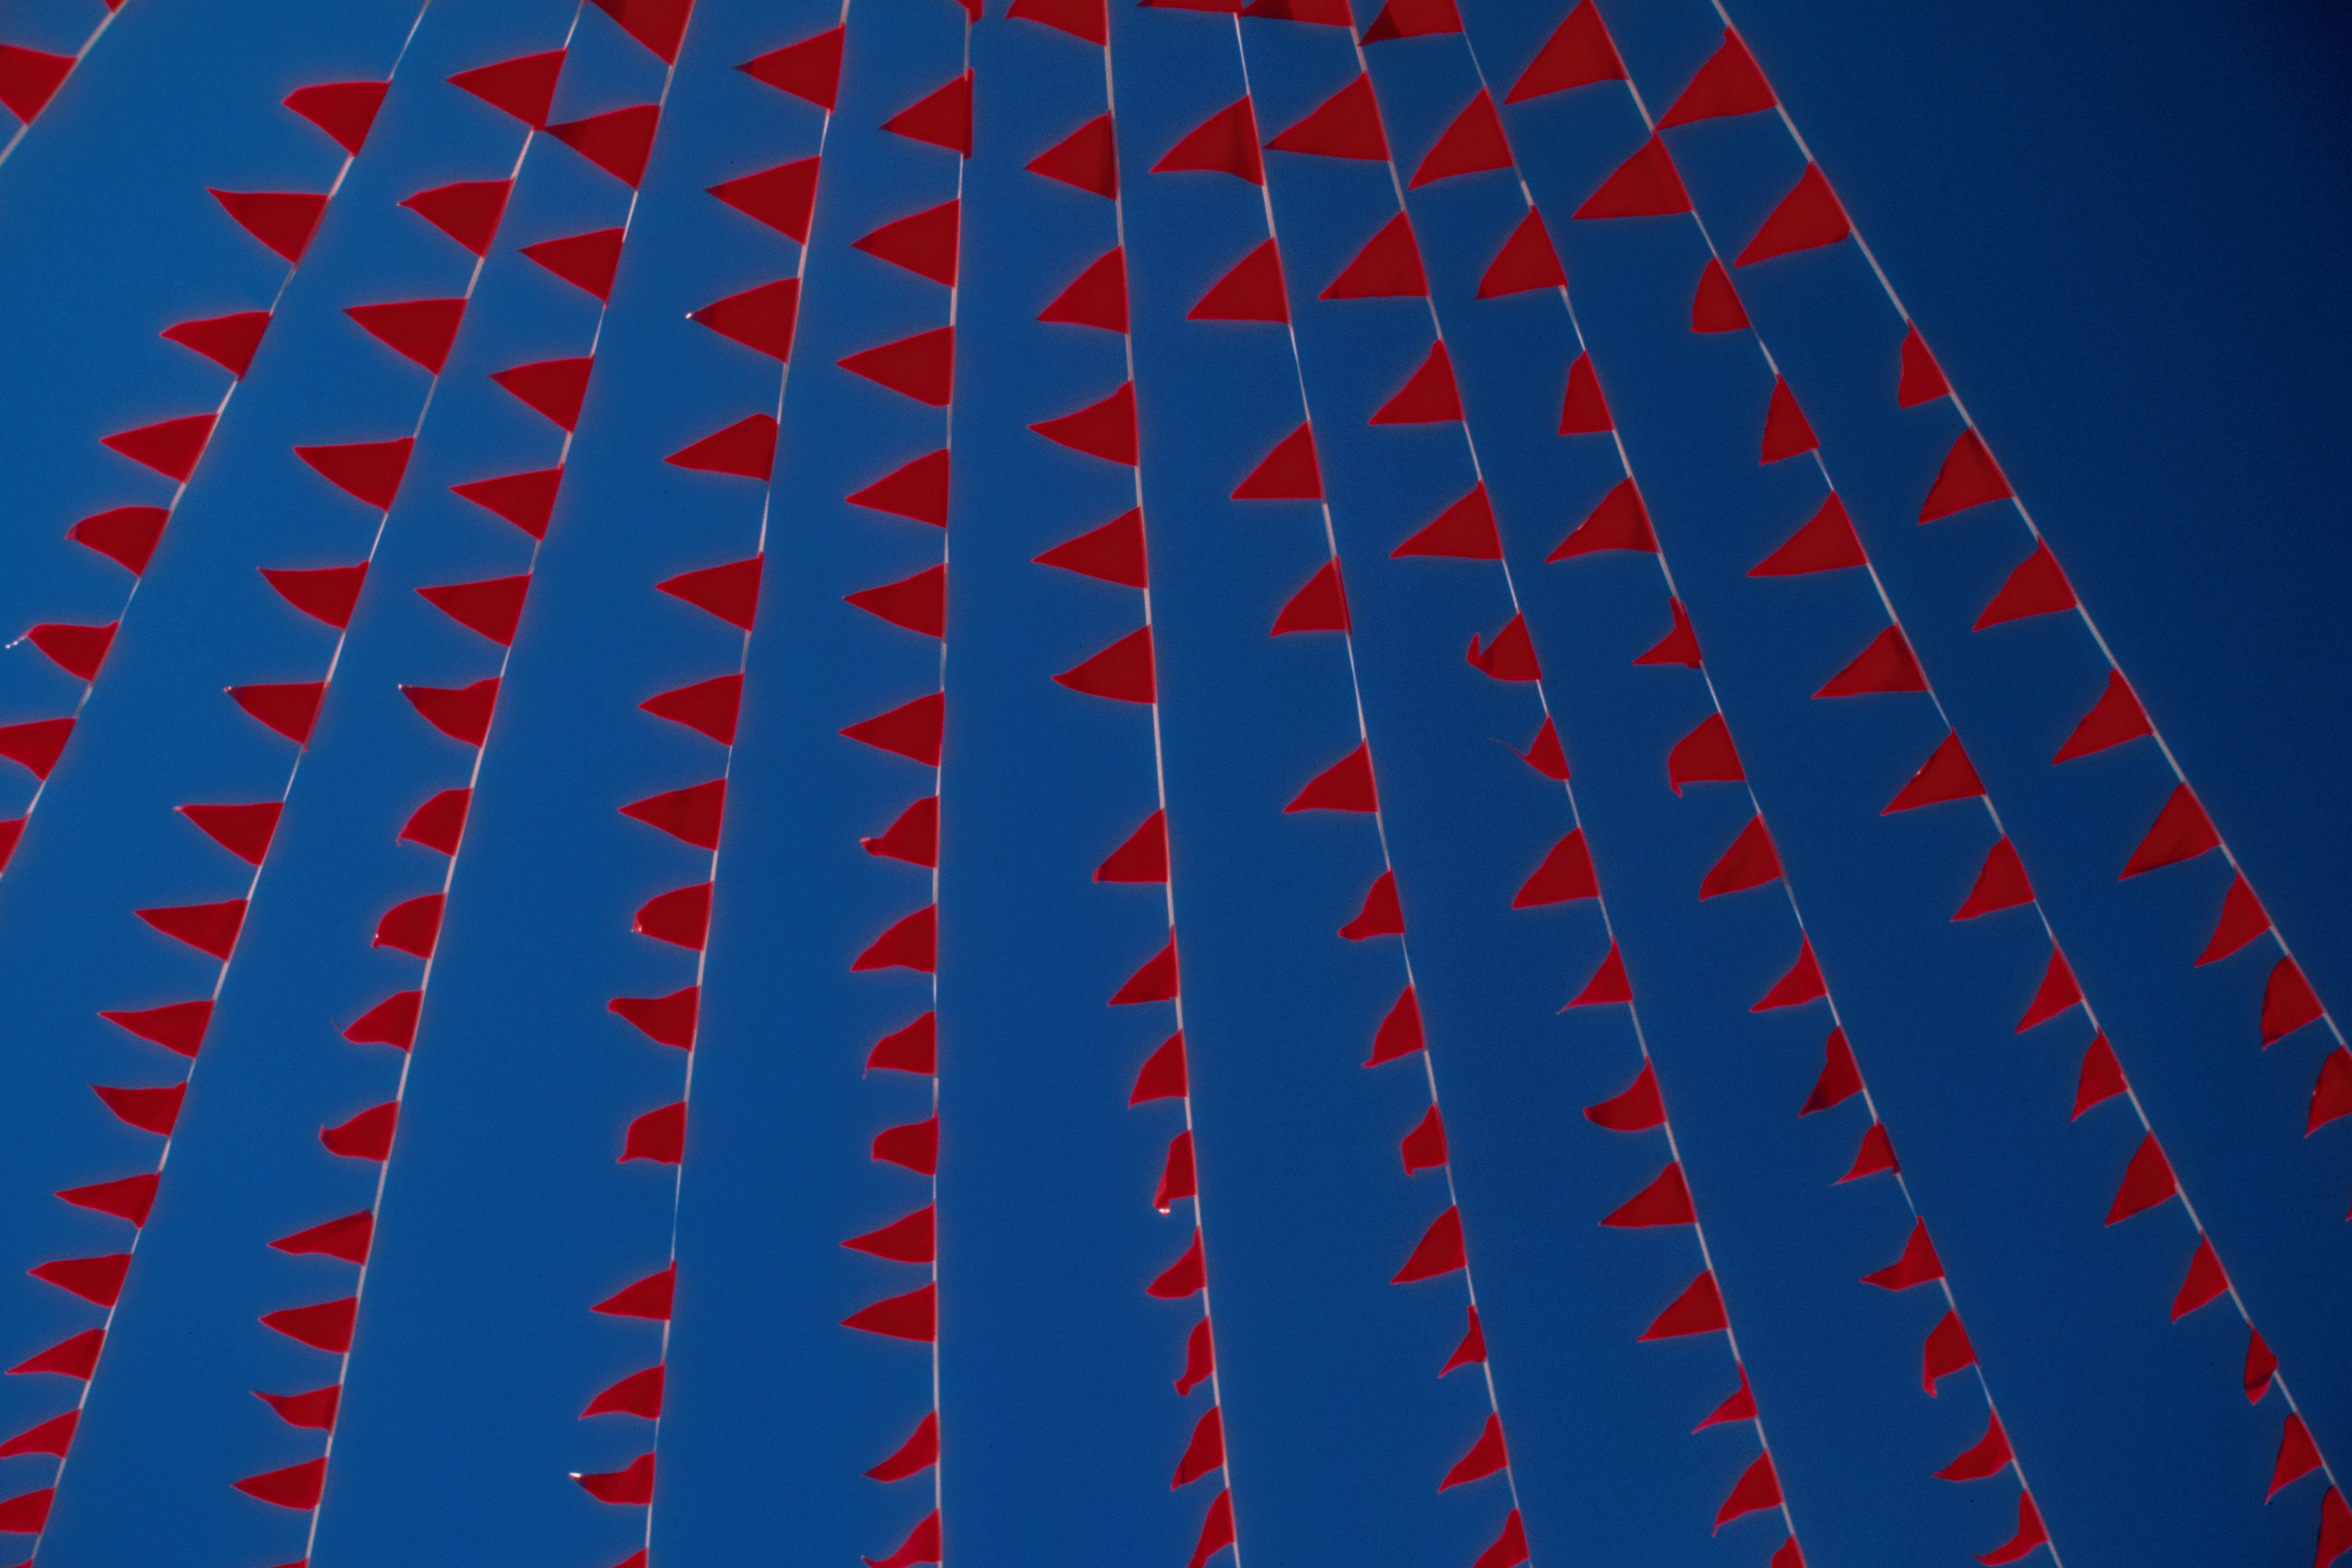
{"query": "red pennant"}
(2116, 718)
(1948, 774)
(391, 1021)
(170, 448)
(1200, 1358)
(639, 1394)
(909, 1240)
(1088, 158)
(1716, 307)
(1679, 646)
(1887, 665)
(1423, 1148)
(2298, 1456)
(1922, 379)
(76, 1357)
(1113, 552)
(1802, 984)
(462, 713)
(1345, 785)
(1485, 1457)
(1510, 1548)
(709, 706)
(325, 1327)
(911, 943)
(1947, 1352)
(95, 1280)
(1345, 125)
(730, 592)
(26, 1514)
(1698, 1311)
(296, 1487)
(1729, 83)
(1225, 143)
(1584, 412)
(1637, 1110)
(666, 1020)
(1163, 1076)
(1252, 292)
(914, 1048)
(760, 319)
(326, 594)
(229, 341)
(1566, 873)
(1620, 522)
(1578, 54)
(631, 1487)
(51, 1436)
(2204, 1283)
(131, 1198)
(1645, 185)
(921, 1545)
(76, 650)
(1968, 477)
(281, 220)
(1988, 1457)
(1320, 607)
(1382, 915)
(659, 24)
(1080, 18)
(1103, 430)
(1399, 1033)
(178, 1027)
(210, 929)
(492, 608)
(554, 388)
(2101, 1079)
(1609, 982)
(2036, 588)
(922, 367)
(1216, 1531)
(2331, 1096)
(649, 1298)
(917, 490)
(1740, 1406)
(2182, 832)
(1427, 398)
(588, 261)
(1204, 1453)
(30, 78)
(1758, 1487)
(781, 197)
(692, 814)
(127, 535)
(367, 1136)
(1463, 532)
(527, 500)
(368, 471)
(467, 212)
(2288, 1002)
(2334, 1529)
(1388, 268)
(1289, 472)
(1665, 1200)
(1750, 862)
(809, 68)
(2057, 992)
(524, 88)
(1155, 982)
(36, 746)
(2030, 1535)
(1787, 432)
(924, 244)
(1527, 261)
(918, 1452)
(1917, 1266)
(1473, 143)
(1177, 1179)
(2002, 885)
(1876, 1154)
(347, 1238)
(618, 143)
(1096, 298)
(1326, 13)
(412, 927)
(1438, 1252)
(1472, 1351)
(148, 1110)
(1840, 1078)
(1183, 1278)
(1121, 671)
(942, 118)
(2243, 919)
(1543, 752)
(918, 602)
(2260, 1364)
(289, 710)
(1808, 217)
(1705, 755)
(681, 917)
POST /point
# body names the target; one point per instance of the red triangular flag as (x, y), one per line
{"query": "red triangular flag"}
(1473, 143)
(1143, 857)
(1644, 185)
(1807, 218)
(1968, 477)
(1156, 981)
(178, 1027)
(809, 68)
(1584, 412)
(1183, 1278)
(1750, 862)
(1716, 307)
(709, 706)
(1679, 646)
(761, 317)
(229, 341)
(619, 142)
(1121, 672)
(30, 78)
(76, 650)
(368, 471)
(290, 709)
(918, 602)
(665, 1020)
(126, 535)
(1578, 54)
(244, 831)
(367, 1136)
(1206, 1452)
(1096, 298)
(1802, 983)
(1528, 262)
(1728, 83)
(1252, 292)
(730, 592)
(282, 221)
(1875, 1154)
(922, 367)
(1163, 1076)
(493, 608)
(170, 448)
(1787, 432)
(347, 1238)
(418, 330)
(1922, 379)
(295, 1487)
(391, 1021)
(1665, 1200)
(1947, 1352)
(1079, 18)
(2002, 885)
(1989, 1455)
(327, 593)
(1758, 1487)
(1698, 1311)
(1423, 1148)
(2204, 1283)
(524, 88)
(2288, 1003)
(1225, 143)
(1840, 1078)
(1103, 430)
(659, 24)
(1917, 1266)
(1382, 915)
(1427, 398)
(914, 838)
(462, 713)
(1463, 532)
(411, 927)
(941, 117)
(2182, 832)
(1485, 1457)
(1543, 752)
(1089, 159)
(1887, 665)
(747, 448)
(2116, 718)
(149, 1109)
(36, 746)
(924, 244)
(1740, 1406)
(639, 1394)
(681, 917)
(918, 1452)
(2101, 1079)
(1948, 774)
(1345, 785)
(210, 929)
(1438, 1252)
(1289, 472)
(649, 1298)
(1399, 1033)
(1345, 125)
(917, 490)
(588, 261)
(1609, 982)
(2030, 1535)
(1472, 1351)
(2243, 919)
(467, 212)
(1705, 755)
(1113, 552)
(2036, 588)
(2056, 992)
(1566, 873)
(781, 197)
(1388, 268)
(692, 814)
(527, 500)
(1637, 1110)
(1620, 522)
(1320, 607)
(909, 1240)
(1823, 545)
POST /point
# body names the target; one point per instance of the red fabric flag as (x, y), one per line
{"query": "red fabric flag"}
(1399, 1033)
(30, 78)
(1750, 862)
(1758, 1487)
(1079, 18)
(809, 68)
(1887, 665)
(367, 1136)
(2147, 1182)
(1142, 857)
(915, 1146)
(210, 929)
(1485, 1457)
(1807, 218)
(1948, 774)
(1427, 398)
(170, 448)
(922, 367)
(244, 831)
(327, 593)
(1787, 432)
(2101, 1078)
(1716, 307)
(2260, 1365)
(149, 1109)
(1566, 873)
(1096, 298)
(391, 1021)
(1989, 1455)
(368, 471)
(633, 1487)
(1382, 915)
(619, 142)
(1473, 143)
(326, 1326)
(1922, 379)
(2334, 1529)
(347, 1238)
(556, 388)
(1345, 785)
(911, 943)
(1113, 552)
(921, 1545)
(492, 608)
(412, 926)
(909, 1240)
(26, 1514)
(1510, 1548)
(1252, 292)
(1665, 1200)
(914, 1048)
(416, 330)
(1705, 755)
(1578, 54)
(94, 1280)
(1608, 983)
(659, 24)
(524, 88)
(1345, 125)
(918, 1452)
(1840, 1078)
(2001, 885)
(2036, 588)
(1155, 982)
(760, 319)
(2182, 832)
(1823, 545)
(911, 730)
(1698, 1311)
(692, 814)
(1325, 13)
(658, 1135)
(709, 706)
(1177, 1178)
(1216, 1531)
(1183, 1278)
(1802, 983)
(527, 500)
(282, 221)
(179, 1027)
(1289, 472)
(2057, 992)
(76, 1357)
(1472, 1351)
(917, 490)
(1645, 185)
(1584, 412)
(126, 535)
(1637, 1110)
(649, 1298)
(2243, 919)
(1968, 477)
(747, 448)
(639, 1394)
(229, 341)
(681, 917)
(467, 212)
(36, 746)
(1463, 532)
(783, 197)
(666, 1020)
(1526, 262)
(2205, 1280)
(1206, 1452)
(1947, 1352)
(2030, 1535)
(53, 1436)
(1876, 1154)
(1423, 1148)
(1388, 268)
(1438, 1252)
(1620, 522)
(1089, 159)
(129, 1198)
(1510, 657)
(1543, 752)
(1917, 1266)
(1679, 646)
(941, 117)
(2331, 1096)
(295, 1487)
(1728, 83)
(1320, 607)
(588, 261)
(2116, 718)
(1163, 1076)
(918, 602)
(1103, 430)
